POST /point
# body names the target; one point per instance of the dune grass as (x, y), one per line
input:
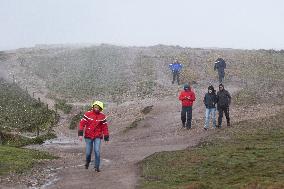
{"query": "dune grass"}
(250, 155)
(18, 160)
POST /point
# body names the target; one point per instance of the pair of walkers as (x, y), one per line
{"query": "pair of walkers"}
(222, 99)
(176, 67)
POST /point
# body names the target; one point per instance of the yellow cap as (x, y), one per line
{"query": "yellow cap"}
(99, 103)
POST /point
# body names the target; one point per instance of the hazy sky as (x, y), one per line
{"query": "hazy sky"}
(249, 24)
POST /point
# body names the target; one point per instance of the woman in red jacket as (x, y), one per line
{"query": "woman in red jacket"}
(187, 97)
(94, 126)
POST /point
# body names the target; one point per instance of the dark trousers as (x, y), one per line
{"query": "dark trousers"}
(186, 116)
(175, 77)
(221, 75)
(221, 78)
(222, 110)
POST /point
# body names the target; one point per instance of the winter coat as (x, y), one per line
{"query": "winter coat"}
(187, 98)
(93, 125)
(220, 65)
(210, 100)
(175, 67)
(223, 99)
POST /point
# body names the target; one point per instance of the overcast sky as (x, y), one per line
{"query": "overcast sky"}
(245, 24)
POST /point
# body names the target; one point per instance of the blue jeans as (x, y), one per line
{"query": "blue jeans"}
(89, 147)
(207, 117)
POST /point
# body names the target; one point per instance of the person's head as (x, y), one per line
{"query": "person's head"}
(176, 60)
(186, 87)
(221, 87)
(98, 106)
(211, 89)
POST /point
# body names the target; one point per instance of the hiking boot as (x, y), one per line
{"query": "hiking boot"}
(97, 169)
(228, 125)
(218, 126)
(87, 165)
(183, 125)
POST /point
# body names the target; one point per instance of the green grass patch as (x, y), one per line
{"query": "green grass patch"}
(18, 160)
(245, 97)
(249, 155)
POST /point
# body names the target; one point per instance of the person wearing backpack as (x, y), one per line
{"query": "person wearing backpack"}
(223, 103)
(210, 100)
(94, 127)
(176, 69)
(187, 97)
(220, 66)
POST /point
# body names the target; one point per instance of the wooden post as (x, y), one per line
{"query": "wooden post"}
(46, 106)
(37, 130)
(38, 99)
(13, 79)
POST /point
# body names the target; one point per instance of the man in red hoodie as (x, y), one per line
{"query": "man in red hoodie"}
(94, 127)
(187, 97)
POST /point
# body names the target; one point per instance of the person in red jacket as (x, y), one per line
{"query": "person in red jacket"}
(187, 97)
(95, 128)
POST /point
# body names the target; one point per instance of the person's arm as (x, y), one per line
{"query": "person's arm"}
(182, 97)
(180, 67)
(171, 67)
(229, 97)
(105, 129)
(82, 124)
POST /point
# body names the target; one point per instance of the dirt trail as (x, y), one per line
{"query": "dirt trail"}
(160, 130)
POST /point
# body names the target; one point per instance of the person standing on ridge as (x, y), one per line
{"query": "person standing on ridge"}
(223, 103)
(175, 68)
(95, 128)
(210, 99)
(187, 97)
(220, 66)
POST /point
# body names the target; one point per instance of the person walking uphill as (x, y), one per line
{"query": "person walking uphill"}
(210, 99)
(187, 97)
(223, 103)
(95, 128)
(220, 65)
(175, 68)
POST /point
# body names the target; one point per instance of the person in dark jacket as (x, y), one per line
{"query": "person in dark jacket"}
(94, 127)
(210, 100)
(220, 66)
(176, 69)
(187, 97)
(223, 103)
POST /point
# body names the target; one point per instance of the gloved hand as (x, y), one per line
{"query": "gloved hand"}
(106, 138)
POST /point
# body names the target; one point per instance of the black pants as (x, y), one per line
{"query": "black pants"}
(175, 77)
(222, 110)
(186, 116)
(221, 75)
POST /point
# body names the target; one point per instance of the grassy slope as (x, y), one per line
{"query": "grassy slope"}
(120, 73)
(250, 155)
(19, 112)
(19, 160)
